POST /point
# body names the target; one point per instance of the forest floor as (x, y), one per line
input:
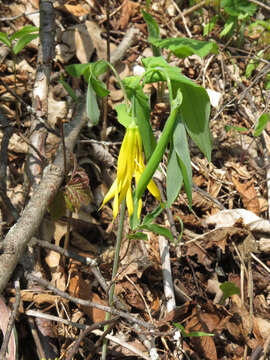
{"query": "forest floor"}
(223, 239)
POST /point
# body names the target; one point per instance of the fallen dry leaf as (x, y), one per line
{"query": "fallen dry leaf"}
(129, 9)
(248, 194)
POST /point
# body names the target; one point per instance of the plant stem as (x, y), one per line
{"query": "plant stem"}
(114, 271)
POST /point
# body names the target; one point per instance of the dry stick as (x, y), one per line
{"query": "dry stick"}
(167, 273)
(7, 132)
(11, 320)
(93, 263)
(18, 16)
(41, 88)
(84, 327)
(260, 4)
(105, 102)
(100, 341)
(82, 302)
(21, 233)
(72, 352)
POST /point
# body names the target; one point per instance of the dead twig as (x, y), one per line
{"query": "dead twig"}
(87, 331)
(12, 318)
(21, 233)
(82, 302)
(167, 273)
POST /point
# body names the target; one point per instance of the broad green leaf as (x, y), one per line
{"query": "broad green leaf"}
(98, 68)
(191, 333)
(183, 47)
(142, 112)
(229, 289)
(68, 89)
(57, 207)
(261, 124)
(174, 178)
(236, 7)
(195, 108)
(158, 229)
(122, 115)
(28, 29)
(77, 70)
(235, 128)
(4, 38)
(92, 108)
(99, 87)
(195, 111)
(153, 31)
(228, 27)
(138, 235)
(22, 42)
(180, 145)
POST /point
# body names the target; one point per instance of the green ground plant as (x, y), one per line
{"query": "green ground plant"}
(140, 154)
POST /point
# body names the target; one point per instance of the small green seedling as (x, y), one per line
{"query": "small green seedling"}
(192, 333)
(228, 289)
(17, 41)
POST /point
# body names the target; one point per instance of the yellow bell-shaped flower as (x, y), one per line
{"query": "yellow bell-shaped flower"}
(130, 164)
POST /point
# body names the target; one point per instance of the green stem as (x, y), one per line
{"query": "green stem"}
(114, 271)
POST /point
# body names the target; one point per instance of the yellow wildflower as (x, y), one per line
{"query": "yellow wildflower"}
(130, 164)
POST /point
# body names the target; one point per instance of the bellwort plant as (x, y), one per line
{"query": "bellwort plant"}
(140, 154)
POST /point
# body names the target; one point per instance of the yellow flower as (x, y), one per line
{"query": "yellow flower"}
(130, 164)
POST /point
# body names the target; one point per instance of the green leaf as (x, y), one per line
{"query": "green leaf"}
(92, 108)
(23, 41)
(261, 124)
(192, 333)
(210, 25)
(228, 27)
(183, 47)
(250, 68)
(138, 235)
(28, 29)
(99, 87)
(122, 115)
(98, 68)
(68, 89)
(240, 129)
(180, 144)
(4, 38)
(174, 178)
(77, 70)
(237, 7)
(142, 111)
(57, 207)
(158, 229)
(153, 31)
(195, 108)
(195, 112)
(229, 289)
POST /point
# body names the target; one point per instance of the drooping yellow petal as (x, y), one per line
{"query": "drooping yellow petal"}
(130, 164)
(152, 187)
(111, 193)
(129, 201)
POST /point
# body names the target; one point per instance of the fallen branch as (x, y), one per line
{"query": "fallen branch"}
(21, 233)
